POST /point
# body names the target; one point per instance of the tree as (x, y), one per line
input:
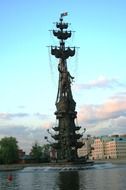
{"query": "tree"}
(8, 150)
(46, 150)
(40, 153)
(36, 152)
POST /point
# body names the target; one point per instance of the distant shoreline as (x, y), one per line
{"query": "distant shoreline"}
(113, 161)
(14, 167)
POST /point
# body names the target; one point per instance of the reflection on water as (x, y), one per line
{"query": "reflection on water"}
(69, 180)
(97, 177)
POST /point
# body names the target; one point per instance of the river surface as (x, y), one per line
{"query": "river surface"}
(96, 177)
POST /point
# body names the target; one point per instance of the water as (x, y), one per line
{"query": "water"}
(97, 177)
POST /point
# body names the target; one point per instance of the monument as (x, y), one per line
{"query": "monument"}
(66, 133)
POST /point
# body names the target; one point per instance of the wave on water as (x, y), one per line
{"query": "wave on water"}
(40, 169)
(56, 169)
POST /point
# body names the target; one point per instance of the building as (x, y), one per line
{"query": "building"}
(109, 147)
(21, 153)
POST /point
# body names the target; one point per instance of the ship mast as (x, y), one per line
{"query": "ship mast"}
(66, 132)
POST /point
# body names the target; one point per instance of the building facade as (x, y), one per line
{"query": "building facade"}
(109, 147)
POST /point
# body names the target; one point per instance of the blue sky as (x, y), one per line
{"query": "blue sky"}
(28, 74)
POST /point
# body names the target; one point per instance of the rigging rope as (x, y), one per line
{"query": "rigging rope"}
(51, 69)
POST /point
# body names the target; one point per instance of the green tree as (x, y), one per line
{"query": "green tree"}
(40, 153)
(8, 150)
(36, 152)
(46, 150)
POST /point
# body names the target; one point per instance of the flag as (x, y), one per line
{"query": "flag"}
(64, 14)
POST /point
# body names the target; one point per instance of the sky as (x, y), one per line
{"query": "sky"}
(29, 75)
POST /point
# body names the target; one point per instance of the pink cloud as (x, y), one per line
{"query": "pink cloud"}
(113, 108)
(4, 115)
(47, 125)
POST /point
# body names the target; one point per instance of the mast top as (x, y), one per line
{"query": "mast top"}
(62, 15)
(61, 51)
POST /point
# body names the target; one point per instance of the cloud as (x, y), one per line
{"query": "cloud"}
(107, 118)
(111, 113)
(25, 135)
(9, 116)
(41, 116)
(47, 125)
(112, 127)
(119, 95)
(101, 82)
(21, 107)
(110, 109)
(26, 128)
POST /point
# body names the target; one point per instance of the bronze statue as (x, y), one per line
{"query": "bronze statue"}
(66, 138)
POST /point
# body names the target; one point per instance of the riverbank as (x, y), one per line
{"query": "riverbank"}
(113, 161)
(14, 167)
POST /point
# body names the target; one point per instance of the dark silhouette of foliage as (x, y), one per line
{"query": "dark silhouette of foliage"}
(40, 153)
(8, 150)
(36, 152)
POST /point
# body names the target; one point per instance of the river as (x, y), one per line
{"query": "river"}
(97, 177)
